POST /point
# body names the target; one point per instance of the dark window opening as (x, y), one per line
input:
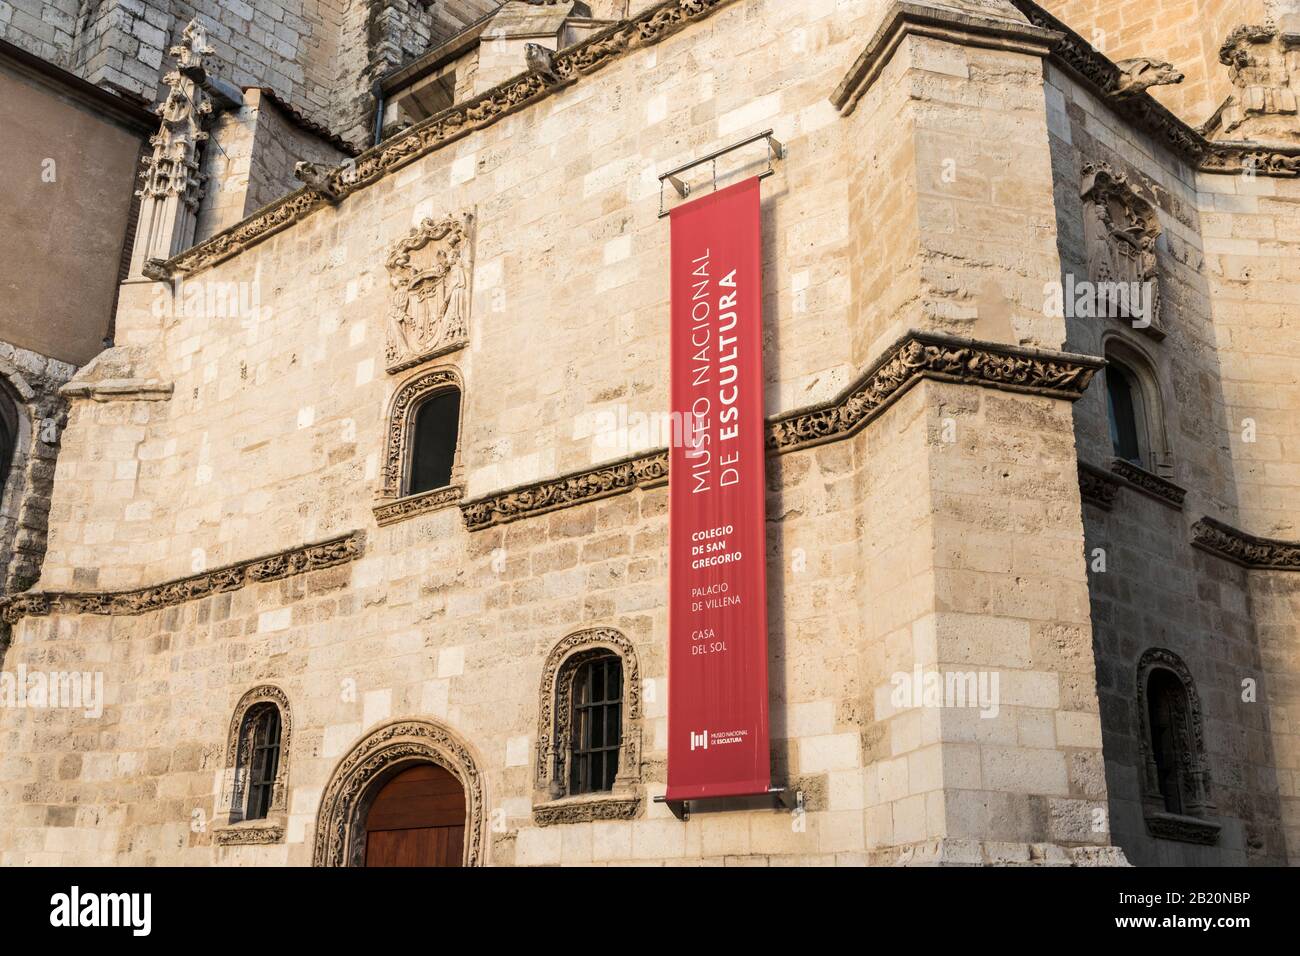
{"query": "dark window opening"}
(435, 432)
(6, 452)
(597, 725)
(1123, 399)
(263, 742)
(1167, 701)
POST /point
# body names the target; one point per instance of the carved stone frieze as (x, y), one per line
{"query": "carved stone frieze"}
(1172, 826)
(1097, 71)
(1162, 489)
(249, 835)
(300, 560)
(647, 28)
(645, 471)
(917, 356)
(1097, 487)
(1120, 230)
(1245, 549)
(429, 270)
(415, 505)
(587, 810)
(340, 821)
(921, 355)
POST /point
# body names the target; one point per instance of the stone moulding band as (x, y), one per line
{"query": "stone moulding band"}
(273, 567)
(1043, 33)
(1161, 489)
(1247, 550)
(1097, 486)
(647, 28)
(916, 356)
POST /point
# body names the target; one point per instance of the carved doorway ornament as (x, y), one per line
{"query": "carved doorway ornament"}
(363, 772)
(429, 271)
(1120, 231)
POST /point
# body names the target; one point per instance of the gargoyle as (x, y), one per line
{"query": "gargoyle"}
(1141, 73)
(541, 61)
(316, 178)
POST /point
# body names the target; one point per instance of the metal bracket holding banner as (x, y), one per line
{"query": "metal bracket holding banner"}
(775, 151)
(783, 799)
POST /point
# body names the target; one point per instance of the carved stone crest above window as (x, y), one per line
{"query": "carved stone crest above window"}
(429, 271)
(1120, 232)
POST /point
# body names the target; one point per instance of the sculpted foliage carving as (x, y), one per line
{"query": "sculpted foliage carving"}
(312, 557)
(1245, 549)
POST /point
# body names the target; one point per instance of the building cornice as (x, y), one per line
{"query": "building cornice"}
(1247, 550)
(906, 19)
(916, 356)
(1044, 35)
(646, 29)
(232, 577)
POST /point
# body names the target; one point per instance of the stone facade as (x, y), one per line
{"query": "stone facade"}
(943, 491)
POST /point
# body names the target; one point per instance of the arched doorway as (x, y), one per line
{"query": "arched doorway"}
(407, 775)
(417, 819)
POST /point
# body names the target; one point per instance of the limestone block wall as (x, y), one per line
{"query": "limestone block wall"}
(913, 544)
(1155, 589)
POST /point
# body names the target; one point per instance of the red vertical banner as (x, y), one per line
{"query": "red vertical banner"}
(717, 617)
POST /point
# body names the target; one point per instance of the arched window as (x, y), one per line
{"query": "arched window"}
(421, 470)
(257, 758)
(1167, 718)
(596, 724)
(1128, 423)
(589, 738)
(1175, 775)
(260, 754)
(433, 441)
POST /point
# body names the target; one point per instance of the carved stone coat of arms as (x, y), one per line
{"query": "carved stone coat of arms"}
(429, 271)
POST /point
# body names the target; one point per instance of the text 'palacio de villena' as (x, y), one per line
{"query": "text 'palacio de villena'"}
(454, 432)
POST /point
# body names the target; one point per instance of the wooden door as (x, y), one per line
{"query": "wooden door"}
(417, 819)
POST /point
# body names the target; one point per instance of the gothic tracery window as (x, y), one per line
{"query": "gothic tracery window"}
(260, 754)
(589, 738)
(261, 732)
(596, 724)
(1176, 776)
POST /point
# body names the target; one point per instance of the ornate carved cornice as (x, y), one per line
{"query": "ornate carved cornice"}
(1099, 73)
(422, 504)
(283, 564)
(529, 501)
(1171, 826)
(1244, 549)
(584, 810)
(1097, 486)
(922, 355)
(1161, 489)
(912, 19)
(916, 356)
(647, 28)
(249, 836)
